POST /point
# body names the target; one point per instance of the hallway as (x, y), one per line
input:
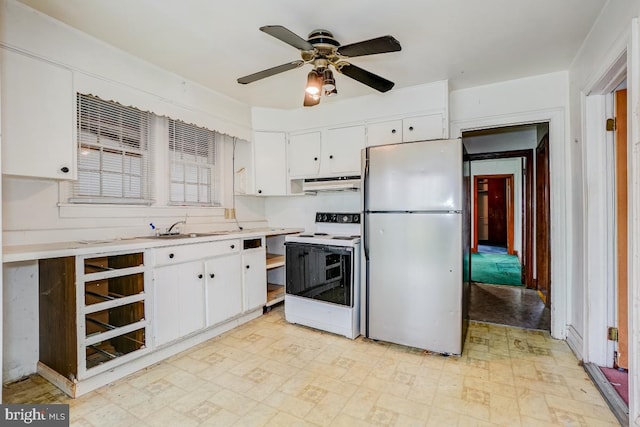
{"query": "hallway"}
(508, 305)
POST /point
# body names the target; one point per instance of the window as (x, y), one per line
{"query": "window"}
(192, 153)
(114, 153)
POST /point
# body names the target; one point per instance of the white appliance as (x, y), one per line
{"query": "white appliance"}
(416, 244)
(323, 275)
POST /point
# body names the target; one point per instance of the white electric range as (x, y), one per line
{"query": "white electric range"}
(323, 275)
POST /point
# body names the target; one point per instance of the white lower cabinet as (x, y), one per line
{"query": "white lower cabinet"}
(254, 278)
(223, 288)
(179, 286)
(179, 301)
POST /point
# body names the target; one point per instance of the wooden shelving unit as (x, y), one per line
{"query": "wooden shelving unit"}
(274, 261)
(92, 314)
(275, 269)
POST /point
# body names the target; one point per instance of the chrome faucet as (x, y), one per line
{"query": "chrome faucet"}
(174, 224)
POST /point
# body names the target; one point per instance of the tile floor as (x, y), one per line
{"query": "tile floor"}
(268, 372)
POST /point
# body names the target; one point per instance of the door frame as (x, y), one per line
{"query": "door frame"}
(528, 247)
(561, 275)
(510, 207)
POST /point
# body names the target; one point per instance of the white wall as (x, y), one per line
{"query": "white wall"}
(504, 166)
(431, 97)
(613, 39)
(300, 211)
(535, 99)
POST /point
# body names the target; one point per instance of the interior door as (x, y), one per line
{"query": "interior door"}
(543, 222)
(497, 211)
(621, 225)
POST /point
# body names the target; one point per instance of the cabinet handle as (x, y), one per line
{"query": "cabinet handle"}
(315, 159)
(410, 127)
(331, 156)
(199, 276)
(64, 169)
(212, 275)
(171, 255)
(233, 246)
(259, 191)
(393, 131)
(248, 266)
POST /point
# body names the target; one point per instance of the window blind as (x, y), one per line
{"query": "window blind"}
(114, 153)
(193, 160)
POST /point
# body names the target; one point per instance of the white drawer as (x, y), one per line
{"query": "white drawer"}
(189, 252)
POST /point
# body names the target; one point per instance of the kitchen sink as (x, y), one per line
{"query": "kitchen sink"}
(189, 235)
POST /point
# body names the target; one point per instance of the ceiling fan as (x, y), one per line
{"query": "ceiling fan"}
(322, 51)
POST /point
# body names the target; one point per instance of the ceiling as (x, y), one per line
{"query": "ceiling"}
(468, 42)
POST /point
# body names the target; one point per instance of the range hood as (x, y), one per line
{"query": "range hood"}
(337, 183)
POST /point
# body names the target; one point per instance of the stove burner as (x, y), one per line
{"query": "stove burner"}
(305, 235)
(320, 234)
(345, 237)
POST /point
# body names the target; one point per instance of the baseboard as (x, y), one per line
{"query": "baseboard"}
(575, 342)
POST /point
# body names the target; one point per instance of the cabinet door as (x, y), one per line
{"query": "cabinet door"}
(421, 128)
(166, 313)
(37, 118)
(179, 301)
(254, 278)
(223, 288)
(384, 133)
(269, 149)
(343, 150)
(191, 297)
(304, 155)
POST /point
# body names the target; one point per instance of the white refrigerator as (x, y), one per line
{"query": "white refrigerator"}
(416, 244)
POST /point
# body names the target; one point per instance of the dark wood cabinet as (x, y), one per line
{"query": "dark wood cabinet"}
(92, 312)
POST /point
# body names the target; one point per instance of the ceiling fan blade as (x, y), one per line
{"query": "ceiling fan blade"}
(270, 72)
(287, 36)
(382, 44)
(309, 100)
(365, 77)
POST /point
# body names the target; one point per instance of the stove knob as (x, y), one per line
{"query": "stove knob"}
(356, 219)
(345, 218)
(334, 218)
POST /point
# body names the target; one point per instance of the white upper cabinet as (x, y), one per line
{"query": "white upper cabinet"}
(270, 164)
(381, 133)
(327, 153)
(37, 118)
(343, 147)
(417, 128)
(421, 128)
(304, 154)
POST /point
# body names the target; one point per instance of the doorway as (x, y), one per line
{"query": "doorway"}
(503, 167)
(493, 218)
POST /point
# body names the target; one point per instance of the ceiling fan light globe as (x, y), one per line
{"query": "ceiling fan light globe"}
(328, 87)
(314, 83)
(312, 90)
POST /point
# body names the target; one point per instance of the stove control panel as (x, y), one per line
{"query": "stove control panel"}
(338, 218)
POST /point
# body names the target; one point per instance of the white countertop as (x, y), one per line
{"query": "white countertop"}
(17, 253)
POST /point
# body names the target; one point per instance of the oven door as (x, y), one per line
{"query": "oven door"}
(320, 272)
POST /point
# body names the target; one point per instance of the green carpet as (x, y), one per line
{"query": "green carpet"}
(496, 269)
